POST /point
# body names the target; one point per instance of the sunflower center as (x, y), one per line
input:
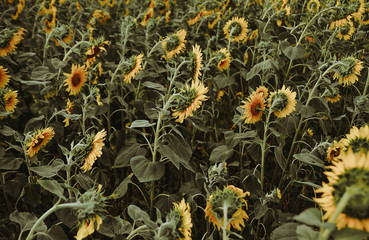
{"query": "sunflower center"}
(347, 68)
(37, 142)
(232, 200)
(357, 144)
(76, 79)
(132, 64)
(279, 101)
(358, 205)
(186, 99)
(345, 29)
(256, 108)
(237, 29)
(172, 42)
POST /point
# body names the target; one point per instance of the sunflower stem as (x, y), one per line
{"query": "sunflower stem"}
(225, 220)
(340, 207)
(56, 207)
(266, 125)
(366, 84)
(46, 46)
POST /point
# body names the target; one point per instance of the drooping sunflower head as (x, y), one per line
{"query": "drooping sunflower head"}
(231, 198)
(135, 65)
(65, 34)
(282, 102)
(190, 99)
(254, 107)
(68, 109)
(96, 48)
(333, 96)
(8, 99)
(223, 58)
(313, 6)
(236, 29)
(86, 227)
(76, 79)
(334, 151)
(175, 43)
(357, 139)
(38, 139)
(93, 149)
(181, 216)
(196, 61)
(347, 73)
(9, 39)
(4, 77)
(350, 174)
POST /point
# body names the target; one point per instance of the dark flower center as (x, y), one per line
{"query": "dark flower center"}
(76, 79)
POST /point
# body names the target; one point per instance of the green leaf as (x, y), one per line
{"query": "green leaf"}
(138, 215)
(292, 52)
(145, 170)
(153, 85)
(304, 232)
(309, 184)
(26, 220)
(49, 171)
(141, 124)
(282, 162)
(285, 232)
(349, 233)
(220, 154)
(113, 226)
(56, 232)
(41, 73)
(310, 159)
(306, 111)
(53, 187)
(121, 190)
(264, 65)
(222, 81)
(311, 216)
(125, 154)
(10, 163)
(260, 210)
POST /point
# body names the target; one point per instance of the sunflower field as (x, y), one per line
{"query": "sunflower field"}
(184, 119)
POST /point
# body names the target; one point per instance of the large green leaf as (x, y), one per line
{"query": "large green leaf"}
(285, 232)
(125, 154)
(145, 170)
(311, 216)
(304, 232)
(26, 220)
(141, 124)
(308, 158)
(294, 52)
(53, 187)
(138, 215)
(221, 154)
(113, 226)
(121, 190)
(49, 171)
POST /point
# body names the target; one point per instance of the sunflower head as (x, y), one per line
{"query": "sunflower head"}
(8, 99)
(357, 140)
(313, 6)
(38, 139)
(223, 58)
(333, 96)
(236, 29)
(9, 39)
(92, 149)
(254, 107)
(175, 43)
(350, 174)
(134, 66)
(231, 198)
(282, 102)
(347, 73)
(76, 79)
(196, 62)
(346, 31)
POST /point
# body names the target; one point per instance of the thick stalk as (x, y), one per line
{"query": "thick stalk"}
(225, 220)
(56, 207)
(266, 125)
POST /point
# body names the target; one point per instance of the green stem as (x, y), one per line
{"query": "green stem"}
(266, 125)
(46, 45)
(366, 84)
(56, 207)
(136, 231)
(225, 220)
(340, 207)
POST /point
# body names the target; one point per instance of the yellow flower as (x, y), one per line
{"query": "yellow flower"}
(263, 91)
(185, 224)
(76, 79)
(313, 6)
(8, 99)
(194, 20)
(224, 59)
(310, 132)
(94, 52)
(134, 68)
(334, 151)
(197, 59)
(360, 11)
(96, 144)
(20, 8)
(346, 31)
(191, 99)
(253, 35)
(10, 40)
(254, 107)
(4, 77)
(215, 21)
(87, 227)
(357, 139)
(220, 95)
(334, 96)
(339, 22)
(174, 44)
(232, 196)
(39, 139)
(283, 102)
(149, 14)
(236, 29)
(68, 109)
(66, 36)
(348, 72)
(350, 173)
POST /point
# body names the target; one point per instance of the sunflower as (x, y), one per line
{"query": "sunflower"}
(4, 77)
(10, 100)
(348, 72)
(134, 68)
(94, 148)
(87, 227)
(9, 40)
(20, 8)
(50, 19)
(263, 91)
(346, 31)
(191, 99)
(236, 29)
(310, 132)
(350, 174)
(254, 107)
(334, 151)
(175, 43)
(194, 20)
(196, 61)
(339, 22)
(360, 4)
(313, 6)
(94, 51)
(149, 14)
(282, 102)
(39, 139)
(68, 109)
(181, 214)
(357, 139)
(223, 58)
(76, 79)
(252, 35)
(233, 197)
(215, 21)
(65, 36)
(333, 96)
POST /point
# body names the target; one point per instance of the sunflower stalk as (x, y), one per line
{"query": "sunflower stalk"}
(340, 208)
(56, 207)
(46, 45)
(225, 221)
(263, 150)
